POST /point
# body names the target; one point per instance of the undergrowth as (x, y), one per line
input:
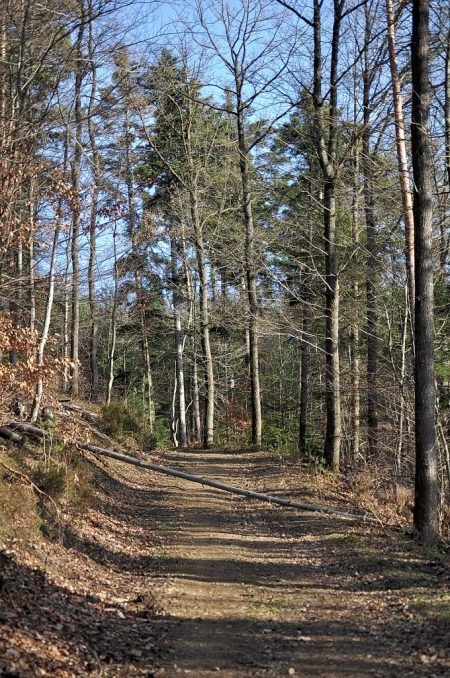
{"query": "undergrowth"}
(49, 483)
(19, 514)
(119, 420)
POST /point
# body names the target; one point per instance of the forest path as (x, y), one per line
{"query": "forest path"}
(258, 590)
(159, 577)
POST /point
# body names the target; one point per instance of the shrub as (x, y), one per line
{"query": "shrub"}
(160, 435)
(148, 440)
(51, 478)
(118, 418)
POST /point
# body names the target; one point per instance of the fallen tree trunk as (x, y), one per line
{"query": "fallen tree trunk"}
(225, 487)
(6, 433)
(27, 429)
(166, 470)
(86, 414)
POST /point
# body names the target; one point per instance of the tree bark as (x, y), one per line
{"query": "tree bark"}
(65, 332)
(132, 227)
(402, 383)
(199, 245)
(333, 399)
(15, 302)
(426, 480)
(447, 111)
(149, 383)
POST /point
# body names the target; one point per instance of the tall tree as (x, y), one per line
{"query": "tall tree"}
(80, 68)
(95, 159)
(402, 158)
(371, 246)
(426, 484)
(326, 139)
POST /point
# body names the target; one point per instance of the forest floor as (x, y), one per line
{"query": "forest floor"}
(161, 577)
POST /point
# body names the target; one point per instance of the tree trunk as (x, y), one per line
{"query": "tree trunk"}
(399, 449)
(66, 337)
(113, 327)
(76, 216)
(402, 158)
(173, 418)
(196, 413)
(447, 110)
(149, 384)
(46, 327)
(31, 265)
(93, 336)
(332, 368)
(372, 264)
(208, 431)
(176, 301)
(326, 143)
(304, 382)
(250, 276)
(426, 482)
(192, 326)
(132, 227)
(175, 473)
(355, 358)
(445, 222)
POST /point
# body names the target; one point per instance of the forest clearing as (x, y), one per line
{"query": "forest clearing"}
(224, 338)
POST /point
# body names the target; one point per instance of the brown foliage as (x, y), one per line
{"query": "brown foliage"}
(18, 380)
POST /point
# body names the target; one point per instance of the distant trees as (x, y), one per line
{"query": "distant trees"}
(181, 147)
(248, 41)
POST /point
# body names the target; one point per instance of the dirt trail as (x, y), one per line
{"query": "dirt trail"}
(256, 590)
(163, 577)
